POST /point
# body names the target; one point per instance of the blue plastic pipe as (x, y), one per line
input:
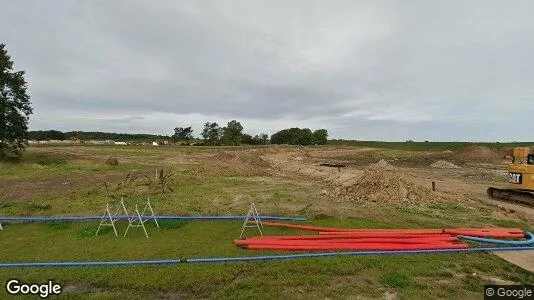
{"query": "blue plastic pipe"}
(88, 218)
(529, 241)
(353, 253)
(93, 263)
(254, 258)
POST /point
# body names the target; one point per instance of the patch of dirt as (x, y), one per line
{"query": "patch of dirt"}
(235, 163)
(476, 153)
(85, 288)
(499, 281)
(172, 295)
(294, 163)
(20, 191)
(506, 152)
(443, 164)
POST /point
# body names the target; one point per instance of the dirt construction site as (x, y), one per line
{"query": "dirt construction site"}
(333, 186)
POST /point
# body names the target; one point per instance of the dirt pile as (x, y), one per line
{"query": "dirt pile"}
(383, 183)
(235, 163)
(476, 153)
(112, 161)
(506, 152)
(274, 149)
(443, 164)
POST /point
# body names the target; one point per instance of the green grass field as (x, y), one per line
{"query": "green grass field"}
(193, 193)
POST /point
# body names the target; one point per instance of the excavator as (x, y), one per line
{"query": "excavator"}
(520, 186)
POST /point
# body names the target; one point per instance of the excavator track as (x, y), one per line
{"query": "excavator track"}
(521, 197)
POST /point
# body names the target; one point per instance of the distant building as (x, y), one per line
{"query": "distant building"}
(96, 142)
(121, 143)
(59, 141)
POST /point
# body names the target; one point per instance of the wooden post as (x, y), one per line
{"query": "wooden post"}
(433, 186)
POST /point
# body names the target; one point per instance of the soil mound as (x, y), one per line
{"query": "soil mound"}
(224, 156)
(506, 152)
(383, 183)
(236, 163)
(443, 164)
(381, 165)
(112, 161)
(476, 153)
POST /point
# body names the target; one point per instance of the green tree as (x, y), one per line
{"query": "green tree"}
(183, 134)
(15, 107)
(297, 136)
(232, 133)
(264, 137)
(320, 137)
(261, 139)
(304, 137)
(281, 137)
(211, 133)
(247, 139)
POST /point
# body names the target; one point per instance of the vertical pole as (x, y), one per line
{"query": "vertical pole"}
(433, 186)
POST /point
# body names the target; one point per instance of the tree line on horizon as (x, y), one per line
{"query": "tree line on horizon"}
(212, 134)
(45, 135)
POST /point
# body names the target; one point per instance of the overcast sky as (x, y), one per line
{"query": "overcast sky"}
(368, 70)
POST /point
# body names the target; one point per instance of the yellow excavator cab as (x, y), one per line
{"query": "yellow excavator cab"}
(521, 155)
(520, 185)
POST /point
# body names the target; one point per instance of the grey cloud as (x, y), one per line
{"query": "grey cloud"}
(399, 69)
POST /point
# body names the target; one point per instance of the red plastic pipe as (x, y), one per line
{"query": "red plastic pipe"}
(410, 231)
(349, 241)
(352, 236)
(380, 234)
(468, 233)
(363, 247)
(302, 227)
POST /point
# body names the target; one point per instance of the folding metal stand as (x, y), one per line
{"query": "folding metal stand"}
(151, 211)
(252, 214)
(112, 218)
(104, 222)
(136, 221)
(120, 207)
